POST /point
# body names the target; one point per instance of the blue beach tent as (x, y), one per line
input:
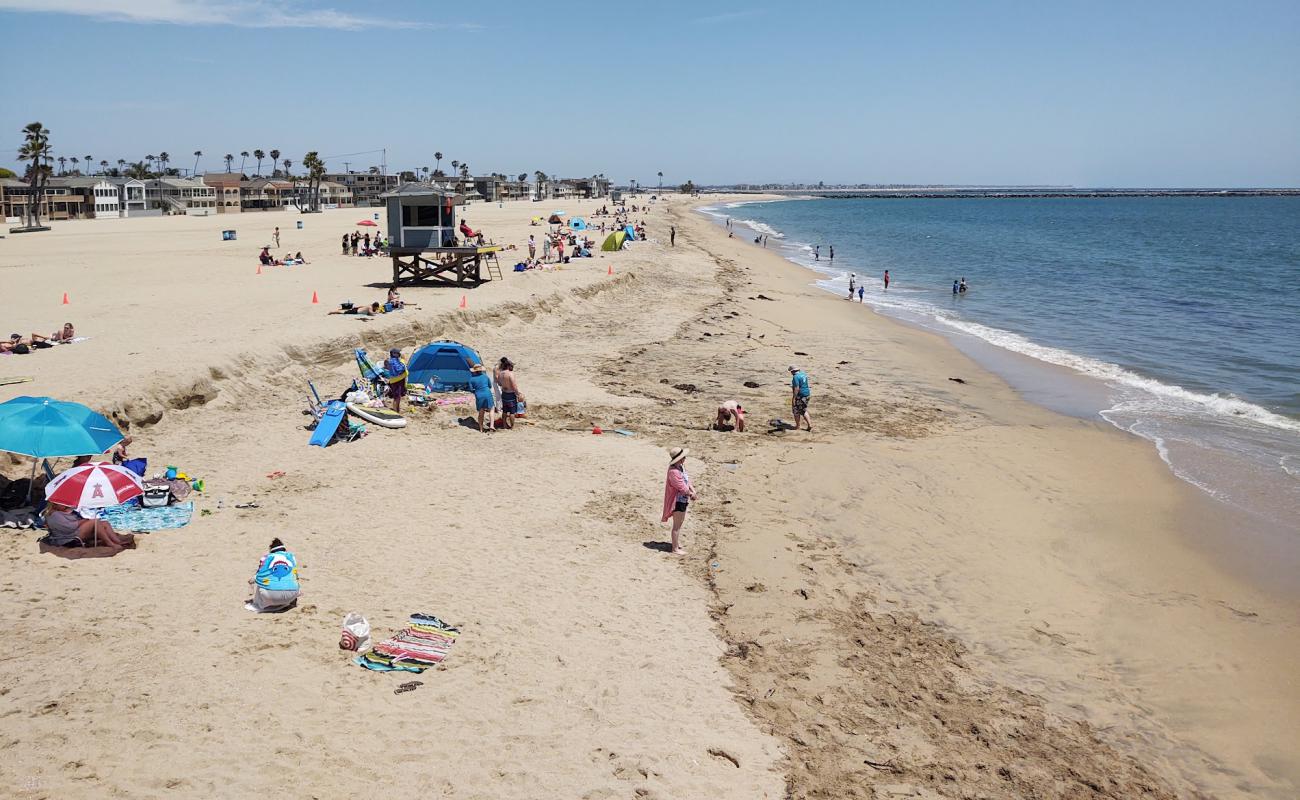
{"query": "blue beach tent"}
(631, 233)
(442, 366)
(578, 224)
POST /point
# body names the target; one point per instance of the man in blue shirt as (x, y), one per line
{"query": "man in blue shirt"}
(799, 394)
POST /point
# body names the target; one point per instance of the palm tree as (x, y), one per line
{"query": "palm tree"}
(661, 181)
(75, 161)
(197, 155)
(35, 148)
(121, 164)
(523, 176)
(259, 155)
(62, 163)
(425, 170)
(275, 158)
(229, 158)
(455, 167)
(437, 162)
(287, 164)
(138, 170)
(103, 167)
(315, 174)
(148, 160)
(243, 156)
(163, 159)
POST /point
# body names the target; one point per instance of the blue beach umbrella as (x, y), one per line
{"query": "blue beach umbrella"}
(42, 427)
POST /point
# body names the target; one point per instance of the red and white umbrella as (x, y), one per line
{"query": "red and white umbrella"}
(94, 486)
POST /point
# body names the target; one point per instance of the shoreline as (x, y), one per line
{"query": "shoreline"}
(945, 582)
(1172, 553)
(1048, 380)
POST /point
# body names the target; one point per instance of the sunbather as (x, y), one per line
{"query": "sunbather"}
(67, 334)
(16, 344)
(68, 529)
(275, 585)
(365, 311)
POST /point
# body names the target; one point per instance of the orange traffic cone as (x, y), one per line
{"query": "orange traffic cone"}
(462, 301)
(65, 298)
(611, 270)
(314, 298)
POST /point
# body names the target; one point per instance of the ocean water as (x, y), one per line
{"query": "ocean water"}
(1183, 312)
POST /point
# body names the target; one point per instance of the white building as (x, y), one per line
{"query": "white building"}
(107, 199)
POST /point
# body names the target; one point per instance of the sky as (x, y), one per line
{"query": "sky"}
(1087, 93)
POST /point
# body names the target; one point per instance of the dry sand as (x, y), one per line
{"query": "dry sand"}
(942, 591)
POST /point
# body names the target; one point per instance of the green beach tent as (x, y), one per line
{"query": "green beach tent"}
(614, 241)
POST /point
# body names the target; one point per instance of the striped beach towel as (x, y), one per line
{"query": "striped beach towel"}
(424, 643)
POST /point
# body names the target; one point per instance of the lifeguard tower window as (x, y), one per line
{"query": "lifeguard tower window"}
(421, 216)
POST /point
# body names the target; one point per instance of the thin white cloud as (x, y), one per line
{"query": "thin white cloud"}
(726, 16)
(237, 13)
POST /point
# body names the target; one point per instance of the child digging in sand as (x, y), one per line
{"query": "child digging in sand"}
(275, 586)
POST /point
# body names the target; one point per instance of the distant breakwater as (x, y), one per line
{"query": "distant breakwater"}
(1007, 194)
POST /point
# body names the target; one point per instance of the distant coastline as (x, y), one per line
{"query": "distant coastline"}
(1005, 193)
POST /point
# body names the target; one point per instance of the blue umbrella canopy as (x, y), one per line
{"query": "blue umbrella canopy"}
(42, 427)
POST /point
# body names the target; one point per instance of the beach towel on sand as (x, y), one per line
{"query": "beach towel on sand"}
(424, 643)
(134, 518)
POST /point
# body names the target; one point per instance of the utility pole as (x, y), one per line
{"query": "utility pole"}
(347, 166)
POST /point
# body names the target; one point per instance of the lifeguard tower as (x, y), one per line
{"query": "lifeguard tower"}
(423, 239)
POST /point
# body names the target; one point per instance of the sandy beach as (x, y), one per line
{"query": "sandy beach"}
(942, 591)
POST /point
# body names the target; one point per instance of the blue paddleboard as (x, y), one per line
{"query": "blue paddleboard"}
(329, 423)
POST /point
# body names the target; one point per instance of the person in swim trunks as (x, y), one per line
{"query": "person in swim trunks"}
(505, 377)
(799, 394)
(395, 374)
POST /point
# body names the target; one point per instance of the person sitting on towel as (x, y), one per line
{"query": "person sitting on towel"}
(64, 336)
(395, 298)
(275, 586)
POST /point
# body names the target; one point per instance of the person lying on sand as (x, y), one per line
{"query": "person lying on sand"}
(366, 311)
(16, 344)
(67, 334)
(729, 410)
(68, 529)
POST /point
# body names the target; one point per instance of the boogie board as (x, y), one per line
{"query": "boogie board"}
(383, 417)
(329, 423)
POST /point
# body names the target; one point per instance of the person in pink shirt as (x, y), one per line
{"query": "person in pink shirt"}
(678, 493)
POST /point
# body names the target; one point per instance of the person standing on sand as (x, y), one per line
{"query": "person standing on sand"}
(546, 248)
(672, 236)
(277, 237)
(481, 385)
(505, 378)
(886, 280)
(861, 291)
(799, 394)
(345, 244)
(395, 374)
(532, 248)
(678, 494)
(853, 284)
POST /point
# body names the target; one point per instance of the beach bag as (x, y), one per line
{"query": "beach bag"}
(157, 493)
(356, 633)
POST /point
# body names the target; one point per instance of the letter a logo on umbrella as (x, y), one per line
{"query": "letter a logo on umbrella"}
(98, 493)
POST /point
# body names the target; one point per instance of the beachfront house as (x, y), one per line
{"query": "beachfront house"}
(266, 194)
(366, 187)
(180, 196)
(421, 215)
(495, 188)
(226, 185)
(335, 195)
(107, 199)
(131, 199)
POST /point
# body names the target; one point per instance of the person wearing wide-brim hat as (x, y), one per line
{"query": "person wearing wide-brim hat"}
(481, 385)
(678, 494)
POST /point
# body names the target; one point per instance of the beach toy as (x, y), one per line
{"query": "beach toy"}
(299, 224)
(595, 430)
(171, 473)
